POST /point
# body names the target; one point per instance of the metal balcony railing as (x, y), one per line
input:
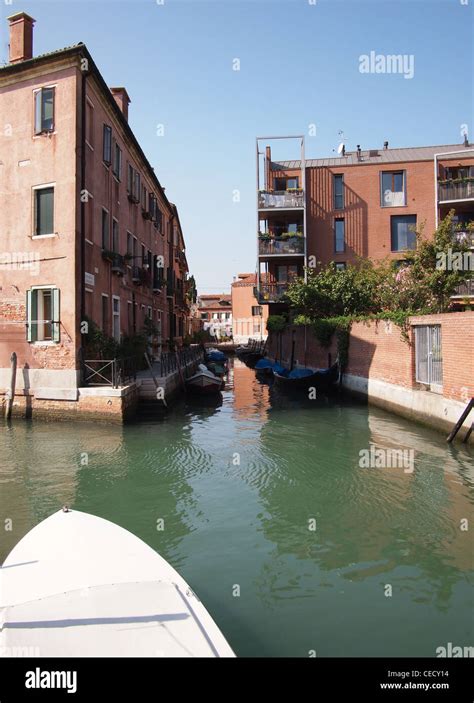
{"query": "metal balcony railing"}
(141, 276)
(464, 236)
(465, 289)
(280, 247)
(281, 199)
(117, 260)
(272, 292)
(462, 189)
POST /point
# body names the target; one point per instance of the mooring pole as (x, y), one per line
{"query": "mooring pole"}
(11, 390)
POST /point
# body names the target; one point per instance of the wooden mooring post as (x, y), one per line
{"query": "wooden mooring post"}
(458, 424)
(11, 390)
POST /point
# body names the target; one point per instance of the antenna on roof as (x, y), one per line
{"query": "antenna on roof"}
(341, 149)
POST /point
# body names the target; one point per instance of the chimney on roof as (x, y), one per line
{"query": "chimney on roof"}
(385, 145)
(21, 37)
(122, 100)
(359, 153)
(466, 140)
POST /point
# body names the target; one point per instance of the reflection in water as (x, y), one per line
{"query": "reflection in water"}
(235, 486)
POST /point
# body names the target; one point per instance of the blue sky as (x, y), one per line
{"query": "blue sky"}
(299, 66)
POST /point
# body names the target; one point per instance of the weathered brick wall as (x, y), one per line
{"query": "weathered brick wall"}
(34, 356)
(378, 351)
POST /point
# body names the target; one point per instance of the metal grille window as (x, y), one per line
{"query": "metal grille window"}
(429, 355)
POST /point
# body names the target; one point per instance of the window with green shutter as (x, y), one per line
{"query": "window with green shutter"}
(43, 315)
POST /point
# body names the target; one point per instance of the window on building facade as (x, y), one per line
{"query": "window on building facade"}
(107, 145)
(105, 314)
(339, 235)
(105, 229)
(286, 273)
(115, 237)
(117, 167)
(43, 210)
(256, 310)
(116, 318)
(130, 244)
(340, 265)
(43, 315)
(90, 123)
(338, 183)
(392, 188)
(44, 110)
(403, 233)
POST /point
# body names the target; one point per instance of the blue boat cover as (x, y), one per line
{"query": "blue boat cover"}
(300, 373)
(264, 364)
(216, 356)
(279, 369)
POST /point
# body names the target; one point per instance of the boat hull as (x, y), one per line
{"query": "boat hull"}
(77, 585)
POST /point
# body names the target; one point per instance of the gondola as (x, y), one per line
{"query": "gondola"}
(265, 367)
(304, 379)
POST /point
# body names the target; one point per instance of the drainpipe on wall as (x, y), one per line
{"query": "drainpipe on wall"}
(83, 187)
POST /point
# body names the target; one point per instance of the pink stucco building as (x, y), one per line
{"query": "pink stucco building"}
(88, 232)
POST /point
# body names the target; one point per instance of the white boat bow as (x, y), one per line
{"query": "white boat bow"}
(78, 585)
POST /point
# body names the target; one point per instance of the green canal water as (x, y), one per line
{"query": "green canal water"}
(237, 487)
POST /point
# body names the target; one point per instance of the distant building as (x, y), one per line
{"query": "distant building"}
(249, 318)
(215, 312)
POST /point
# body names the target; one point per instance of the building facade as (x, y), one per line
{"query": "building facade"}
(248, 316)
(215, 311)
(358, 204)
(88, 232)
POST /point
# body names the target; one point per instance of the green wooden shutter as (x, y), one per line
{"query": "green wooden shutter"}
(56, 326)
(31, 315)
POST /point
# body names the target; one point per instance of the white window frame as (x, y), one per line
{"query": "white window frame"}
(47, 342)
(42, 186)
(41, 135)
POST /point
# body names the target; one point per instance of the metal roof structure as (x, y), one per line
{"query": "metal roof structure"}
(377, 156)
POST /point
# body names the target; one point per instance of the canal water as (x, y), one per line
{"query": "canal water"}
(261, 504)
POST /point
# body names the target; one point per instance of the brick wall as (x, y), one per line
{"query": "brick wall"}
(377, 351)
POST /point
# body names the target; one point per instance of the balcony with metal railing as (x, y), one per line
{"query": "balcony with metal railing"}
(455, 189)
(464, 290)
(272, 292)
(117, 261)
(281, 246)
(281, 199)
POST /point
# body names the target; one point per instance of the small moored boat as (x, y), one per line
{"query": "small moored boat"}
(80, 586)
(303, 379)
(267, 367)
(204, 381)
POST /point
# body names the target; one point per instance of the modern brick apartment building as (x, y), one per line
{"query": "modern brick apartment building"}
(87, 229)
(248, 316)
(357, 204)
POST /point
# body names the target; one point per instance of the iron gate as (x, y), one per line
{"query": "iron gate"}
(429, 355)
